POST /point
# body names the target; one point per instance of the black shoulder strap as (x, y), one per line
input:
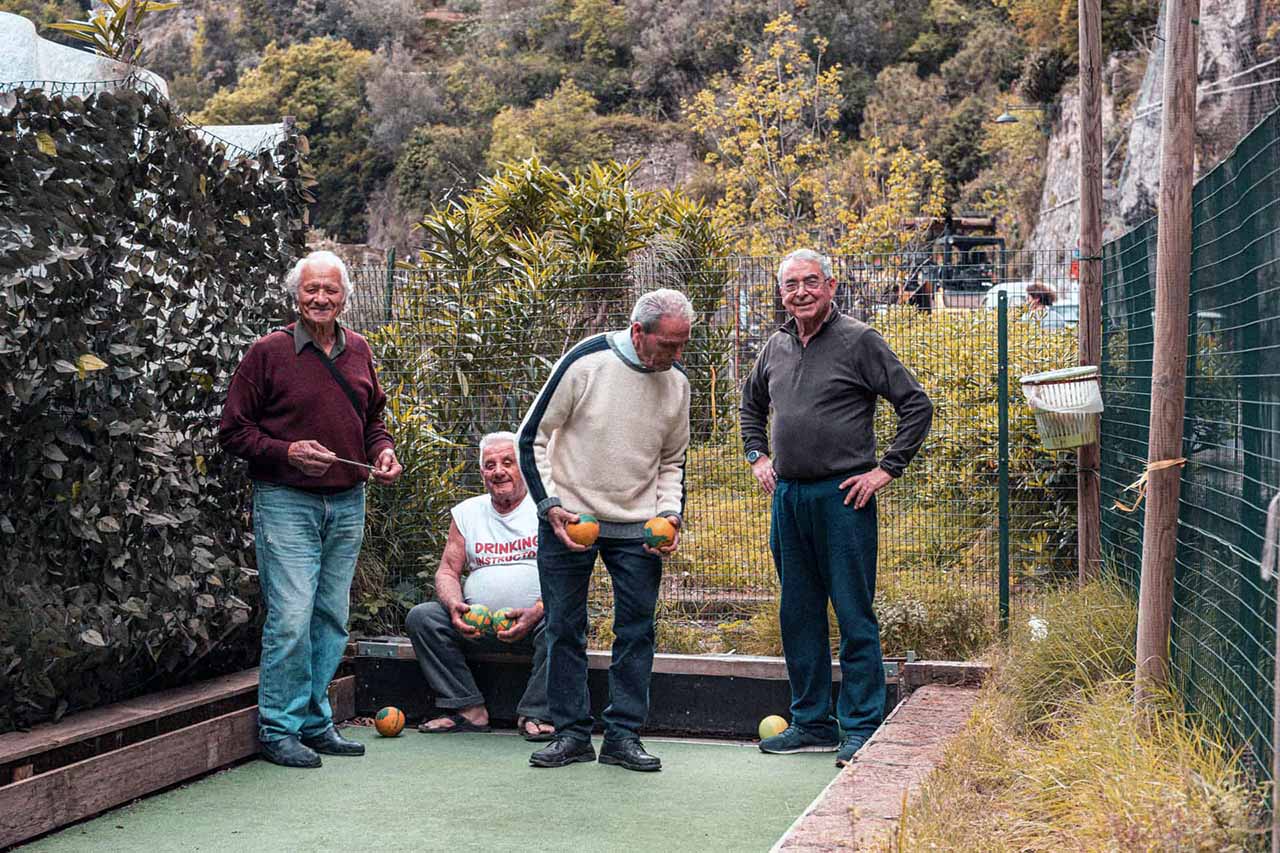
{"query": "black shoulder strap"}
(337, 377)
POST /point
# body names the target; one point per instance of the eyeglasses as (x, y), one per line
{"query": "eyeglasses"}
(811, 283)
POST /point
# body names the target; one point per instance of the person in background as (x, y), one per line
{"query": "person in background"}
(1040, 296)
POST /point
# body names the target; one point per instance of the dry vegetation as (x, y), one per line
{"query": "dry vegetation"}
(1056, 758)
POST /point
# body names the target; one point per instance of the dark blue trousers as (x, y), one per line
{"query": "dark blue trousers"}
(826, 551)
(565, 577)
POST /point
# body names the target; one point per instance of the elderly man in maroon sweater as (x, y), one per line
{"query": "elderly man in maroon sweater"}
(305, 410)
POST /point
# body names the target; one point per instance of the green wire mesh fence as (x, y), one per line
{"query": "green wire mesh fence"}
(462, 353)
(1222, 635)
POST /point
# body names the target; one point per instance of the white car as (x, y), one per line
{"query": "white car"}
(1062, 314)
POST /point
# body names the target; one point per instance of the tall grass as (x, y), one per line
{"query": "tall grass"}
(1056, 758)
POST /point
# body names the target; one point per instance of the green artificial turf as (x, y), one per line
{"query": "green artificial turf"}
(470, 792)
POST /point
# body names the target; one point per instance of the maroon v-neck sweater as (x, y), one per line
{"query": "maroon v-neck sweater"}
(279, 396)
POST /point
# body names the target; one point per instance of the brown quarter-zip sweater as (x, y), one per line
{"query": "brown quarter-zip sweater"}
(823, 398)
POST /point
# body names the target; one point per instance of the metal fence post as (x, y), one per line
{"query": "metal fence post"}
(1002, 403)
(391, 278)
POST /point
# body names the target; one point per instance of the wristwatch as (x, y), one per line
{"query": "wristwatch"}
(752, 456)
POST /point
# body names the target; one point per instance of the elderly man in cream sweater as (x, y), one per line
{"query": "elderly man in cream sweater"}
(607, 436)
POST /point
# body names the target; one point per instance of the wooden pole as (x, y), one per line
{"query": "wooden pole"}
(1169, 366)
(1088, 499)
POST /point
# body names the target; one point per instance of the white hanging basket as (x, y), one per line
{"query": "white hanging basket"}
(1067, 404)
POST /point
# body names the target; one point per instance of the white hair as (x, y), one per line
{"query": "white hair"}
(806, 255)
(663, 302)
(294, 278)
(496, 438)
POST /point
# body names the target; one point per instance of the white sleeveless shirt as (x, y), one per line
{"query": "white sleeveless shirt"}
(502, 553)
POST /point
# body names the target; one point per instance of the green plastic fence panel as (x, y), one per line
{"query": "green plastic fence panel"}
(1223, 635)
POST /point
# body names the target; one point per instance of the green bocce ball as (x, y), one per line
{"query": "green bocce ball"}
(479, 617)
(502, 620)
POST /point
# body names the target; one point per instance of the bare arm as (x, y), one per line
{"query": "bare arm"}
(449, 580)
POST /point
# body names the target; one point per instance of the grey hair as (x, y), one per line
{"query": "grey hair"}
(807, 255)
(496, 438)
(663, 302)
(294, 278)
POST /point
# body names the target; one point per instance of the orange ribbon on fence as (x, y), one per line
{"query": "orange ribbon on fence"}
(1141, 483)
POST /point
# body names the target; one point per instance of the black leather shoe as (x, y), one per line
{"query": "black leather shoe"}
(332, 743)
(629, 754)
(562, 751)
(289, 752)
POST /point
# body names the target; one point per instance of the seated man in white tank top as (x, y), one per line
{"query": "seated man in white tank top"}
(493, 540)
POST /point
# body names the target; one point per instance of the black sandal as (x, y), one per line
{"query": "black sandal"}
(460, 724)
(535, 736)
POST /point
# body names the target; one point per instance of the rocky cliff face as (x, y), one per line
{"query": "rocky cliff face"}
(1235, 35)
(1058, 224)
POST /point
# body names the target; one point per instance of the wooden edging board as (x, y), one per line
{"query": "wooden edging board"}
(15, 746)
(739, 666)
(47, 801)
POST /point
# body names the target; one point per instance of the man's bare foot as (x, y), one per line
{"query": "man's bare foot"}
(534, 729)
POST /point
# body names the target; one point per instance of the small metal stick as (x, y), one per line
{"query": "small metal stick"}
(353, 462)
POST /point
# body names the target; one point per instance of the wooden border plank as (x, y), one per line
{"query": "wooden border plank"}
(43, 803)
(15, 746)
(342, 698)
(739, 666)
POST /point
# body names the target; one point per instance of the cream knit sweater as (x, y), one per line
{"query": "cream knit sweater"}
(607, 436)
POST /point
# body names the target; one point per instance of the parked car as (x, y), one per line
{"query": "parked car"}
(1064, 313)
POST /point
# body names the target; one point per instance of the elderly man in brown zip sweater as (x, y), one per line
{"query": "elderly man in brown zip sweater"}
(820, 375)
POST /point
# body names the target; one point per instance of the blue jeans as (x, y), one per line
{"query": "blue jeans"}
(307, 546)
(824, 550)
(566, 577)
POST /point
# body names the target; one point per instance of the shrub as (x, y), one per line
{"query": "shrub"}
(513, 273)
(930, 621)
(945, 517)
(139, 263)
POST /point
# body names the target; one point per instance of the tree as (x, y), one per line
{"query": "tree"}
(435, 162)
(320, 83)
(562, 130)
(112, 30)
(1009, 187)
(958, 144)
(904, 110)
(769, 130)
(899, 187)
(601, 30)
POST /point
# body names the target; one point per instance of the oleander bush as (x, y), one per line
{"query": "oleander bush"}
(139, 261)
(512, 275)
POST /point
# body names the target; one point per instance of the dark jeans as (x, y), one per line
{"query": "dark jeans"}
(442, 651)
(565, 577)
(824, 550)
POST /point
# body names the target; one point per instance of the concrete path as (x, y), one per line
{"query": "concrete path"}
(865, 801)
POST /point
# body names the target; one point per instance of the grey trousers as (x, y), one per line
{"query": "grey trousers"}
(442, 651)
